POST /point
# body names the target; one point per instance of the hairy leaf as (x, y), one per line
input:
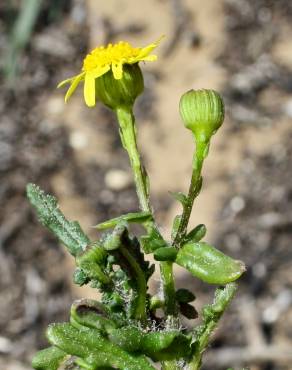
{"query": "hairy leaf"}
(49, 359)
(49, 214)
(93, 348)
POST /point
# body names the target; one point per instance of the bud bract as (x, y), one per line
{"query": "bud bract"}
(202, 112)
(122, 92)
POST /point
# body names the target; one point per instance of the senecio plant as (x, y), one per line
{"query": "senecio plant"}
(124, 330)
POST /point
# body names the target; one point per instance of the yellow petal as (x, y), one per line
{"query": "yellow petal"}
(101, 71)
(145, 51)
(73, 86)
(149, 58)
(65, 82)
(117, 69)
(89, 90)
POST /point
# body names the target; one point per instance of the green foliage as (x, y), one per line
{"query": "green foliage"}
(209, 264)
(49, 359)
(134, 217)
(124, 331)
(196, 234)
(69, 233)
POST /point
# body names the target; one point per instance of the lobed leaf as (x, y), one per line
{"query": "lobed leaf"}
(49, 214)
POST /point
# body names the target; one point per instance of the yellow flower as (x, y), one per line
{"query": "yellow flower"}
(103, 59)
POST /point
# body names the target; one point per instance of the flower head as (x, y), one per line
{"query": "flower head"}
(202, 112)
(101, 60)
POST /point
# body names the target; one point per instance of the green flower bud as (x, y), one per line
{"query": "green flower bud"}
(122, 92)
(202, 112)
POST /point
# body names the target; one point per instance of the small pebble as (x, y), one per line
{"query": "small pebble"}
(117, 179)
(78, 140)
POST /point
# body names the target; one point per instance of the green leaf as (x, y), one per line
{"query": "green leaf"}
(128, 338)
(209, 264)
(210, 318)
(80, 277)
(167, 345)
(165, 254)
(49, 359)
(92, 262)
(152, 241)
(134, 217)
(93, 348)
(180, 197)
(196, 234)
(114, 239)
(92, 314)
(49, 214)
(175, 225)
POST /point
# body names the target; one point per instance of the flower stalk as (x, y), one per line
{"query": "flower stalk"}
(200, 154)
(127, 126)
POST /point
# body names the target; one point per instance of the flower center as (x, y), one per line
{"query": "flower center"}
(122, 52)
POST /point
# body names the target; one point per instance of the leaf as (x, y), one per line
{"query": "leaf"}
(209, 264)
(129, 338)
(152, 241)
(180, 197)
(92, 314)
(93, 348)
(165, 254)
(175, 225)
(196, 234)
(49, 214)
(210, 318)
(49, 359)
(134, 217)
(92, 262)
(114, 239)
(168, 345)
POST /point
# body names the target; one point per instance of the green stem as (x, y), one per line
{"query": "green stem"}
(128, 136)
(140, 309)
(194, 190)
(212, 315)
(166, 271)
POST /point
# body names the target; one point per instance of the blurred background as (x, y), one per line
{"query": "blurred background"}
(241, 48)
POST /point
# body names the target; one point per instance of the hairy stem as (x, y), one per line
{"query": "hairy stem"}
(194, 189)
(128, 136)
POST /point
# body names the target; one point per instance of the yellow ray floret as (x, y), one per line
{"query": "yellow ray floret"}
(102, 59)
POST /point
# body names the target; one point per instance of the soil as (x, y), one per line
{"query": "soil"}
(241, 48)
